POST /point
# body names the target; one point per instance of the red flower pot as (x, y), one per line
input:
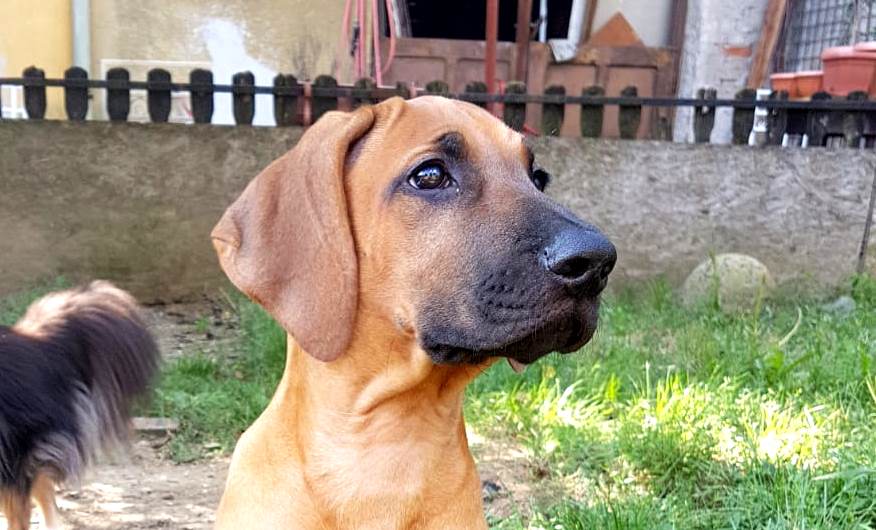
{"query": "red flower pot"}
(848, 70)
(786, 82)
(809, 83)
(866, 47)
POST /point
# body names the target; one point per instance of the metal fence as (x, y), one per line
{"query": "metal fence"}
(823, 121)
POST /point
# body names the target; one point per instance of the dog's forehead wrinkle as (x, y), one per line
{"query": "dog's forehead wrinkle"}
(452, 144)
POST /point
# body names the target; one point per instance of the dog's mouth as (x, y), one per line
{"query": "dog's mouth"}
(563, 334)
(567, 337)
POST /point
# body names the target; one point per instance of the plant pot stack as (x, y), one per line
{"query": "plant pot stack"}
(846, 69)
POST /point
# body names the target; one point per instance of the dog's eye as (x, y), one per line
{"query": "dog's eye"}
(430, 176)
(540, 178)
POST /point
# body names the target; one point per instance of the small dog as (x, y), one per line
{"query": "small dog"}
(69, 371)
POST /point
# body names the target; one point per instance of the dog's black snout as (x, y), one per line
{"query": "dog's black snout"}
(580, 257)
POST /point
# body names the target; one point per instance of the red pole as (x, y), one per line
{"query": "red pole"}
(492, 38)
(524, 9)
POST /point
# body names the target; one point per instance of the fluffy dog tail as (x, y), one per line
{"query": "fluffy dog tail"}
(103, 351)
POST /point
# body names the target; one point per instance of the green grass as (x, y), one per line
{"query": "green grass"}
(216, 400)
(14, 305)
(670, 418)
(693, 419)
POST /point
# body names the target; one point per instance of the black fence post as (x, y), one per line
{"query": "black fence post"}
(477, 87)
(853, 121)
(243, 97)
(553, 114)
(323, 104)
(629, 116)
(592, 114)
(437, 87)
(366, 85)
(514, 114)
(743, 118)
(661, 127)
(118, 94)
(817, 122)
(704, 116)
(403, 90)
(779, 121)
(158, 98)
(76, 93)
(35, 92)
(202, 95)
(868, 129)
(285, 105)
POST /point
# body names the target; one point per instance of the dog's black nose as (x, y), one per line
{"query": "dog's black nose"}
(581, 258)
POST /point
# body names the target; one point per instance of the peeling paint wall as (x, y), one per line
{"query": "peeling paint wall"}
(262, 36)
(720, 37)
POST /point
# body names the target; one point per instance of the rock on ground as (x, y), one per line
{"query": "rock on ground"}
(739, 281)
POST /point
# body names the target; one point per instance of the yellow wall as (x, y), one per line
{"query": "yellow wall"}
(37, 33)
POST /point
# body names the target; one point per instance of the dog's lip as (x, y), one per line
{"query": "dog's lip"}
(580, 333)
(581, 337)
(580, 328)
(567, 332)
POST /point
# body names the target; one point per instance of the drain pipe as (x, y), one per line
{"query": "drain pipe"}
(82, 34)
(492, 36)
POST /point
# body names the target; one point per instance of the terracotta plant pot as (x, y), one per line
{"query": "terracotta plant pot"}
(848, 70)
(869, 47)
(809, 83)
(784, 82)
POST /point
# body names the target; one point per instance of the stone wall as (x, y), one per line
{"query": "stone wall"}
(135, 203)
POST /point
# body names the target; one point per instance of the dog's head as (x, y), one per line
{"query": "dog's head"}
(429, 214)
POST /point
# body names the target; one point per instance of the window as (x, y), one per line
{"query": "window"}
(813, 25)
(466, 19)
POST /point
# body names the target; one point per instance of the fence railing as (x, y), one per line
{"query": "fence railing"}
(821, 121)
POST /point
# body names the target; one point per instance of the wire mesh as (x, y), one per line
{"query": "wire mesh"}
(814, 25)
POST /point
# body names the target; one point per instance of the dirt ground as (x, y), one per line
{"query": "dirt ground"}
(144, 490)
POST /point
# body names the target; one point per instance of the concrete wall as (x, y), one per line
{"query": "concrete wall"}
(135, 203)
(667, 206)
(720, 38)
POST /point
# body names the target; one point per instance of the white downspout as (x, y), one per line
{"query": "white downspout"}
(82, 34)
(542, 15)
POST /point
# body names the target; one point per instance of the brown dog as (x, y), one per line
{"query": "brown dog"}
(404, 247)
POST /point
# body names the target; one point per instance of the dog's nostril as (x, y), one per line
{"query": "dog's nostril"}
(580, 257)
(573, 268)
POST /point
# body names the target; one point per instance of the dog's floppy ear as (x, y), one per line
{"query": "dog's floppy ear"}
(287, 243)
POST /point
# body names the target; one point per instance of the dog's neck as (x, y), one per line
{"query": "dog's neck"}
(372, 377)
(384, 418)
